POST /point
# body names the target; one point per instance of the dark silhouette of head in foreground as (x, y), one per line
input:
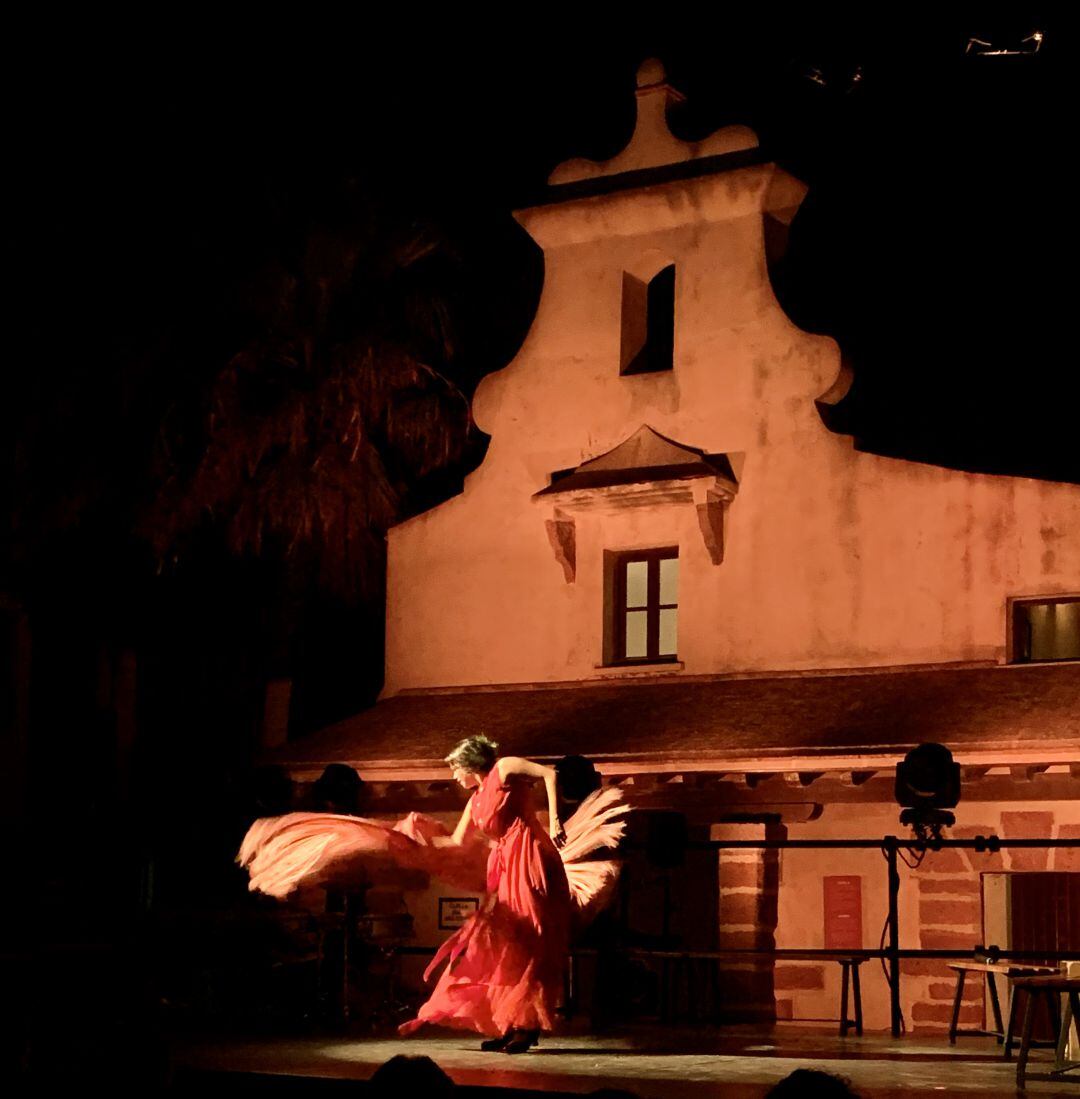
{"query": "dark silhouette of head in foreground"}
(408, 1076)
(811, 1083)
(337, 790)
(576, 778)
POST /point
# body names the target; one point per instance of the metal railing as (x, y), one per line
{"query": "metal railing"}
(890, 846)
(892, 953)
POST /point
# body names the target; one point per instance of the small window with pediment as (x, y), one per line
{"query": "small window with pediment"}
(648, 323)
(643, 607)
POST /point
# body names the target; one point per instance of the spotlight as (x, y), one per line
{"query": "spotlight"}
(927, 786)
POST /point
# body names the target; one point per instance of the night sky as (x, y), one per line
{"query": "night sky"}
(935, 243)
(164, 185)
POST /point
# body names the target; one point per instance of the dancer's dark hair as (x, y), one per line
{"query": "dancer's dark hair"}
(474, 753)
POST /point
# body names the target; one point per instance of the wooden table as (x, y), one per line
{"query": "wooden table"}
(1009, 970)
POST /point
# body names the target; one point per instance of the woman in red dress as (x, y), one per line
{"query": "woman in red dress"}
(505, 965)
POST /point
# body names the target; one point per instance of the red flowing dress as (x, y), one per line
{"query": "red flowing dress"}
(505, 964)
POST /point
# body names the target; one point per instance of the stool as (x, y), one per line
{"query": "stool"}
(850, 965)
(1050, 989)
(1053, 1011)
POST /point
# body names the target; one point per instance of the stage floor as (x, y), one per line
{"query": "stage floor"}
(655, 1063)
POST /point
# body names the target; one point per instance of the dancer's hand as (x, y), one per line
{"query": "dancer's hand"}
(558, 835)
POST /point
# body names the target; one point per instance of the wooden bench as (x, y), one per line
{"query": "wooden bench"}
(1050, 989)
(1009, 970)
(677, 966)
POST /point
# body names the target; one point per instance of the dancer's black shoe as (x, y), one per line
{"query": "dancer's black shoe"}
(522, 1041)
(491, 1045)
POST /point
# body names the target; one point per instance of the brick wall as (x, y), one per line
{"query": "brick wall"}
(749, 888)
(950, 907)
(940, 907)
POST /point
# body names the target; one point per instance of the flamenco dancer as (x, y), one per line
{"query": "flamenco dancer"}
(504, 967)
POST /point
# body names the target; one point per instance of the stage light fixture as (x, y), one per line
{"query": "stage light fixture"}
(927, 787)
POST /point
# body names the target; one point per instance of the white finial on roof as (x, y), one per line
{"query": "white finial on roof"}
(653, 144)
(651, 72)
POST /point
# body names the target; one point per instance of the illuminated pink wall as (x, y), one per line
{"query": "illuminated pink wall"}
(940, 906)
(832, 558)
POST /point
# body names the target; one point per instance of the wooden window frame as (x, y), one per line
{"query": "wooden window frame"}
(653, 606)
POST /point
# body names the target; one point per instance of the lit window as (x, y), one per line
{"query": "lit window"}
(644, 607)
(648, 323)
(1045, 629)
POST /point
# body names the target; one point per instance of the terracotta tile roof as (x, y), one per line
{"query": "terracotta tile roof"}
(716, 719)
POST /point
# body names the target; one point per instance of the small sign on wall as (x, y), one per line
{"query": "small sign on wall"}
(843, 912)
(454, 911)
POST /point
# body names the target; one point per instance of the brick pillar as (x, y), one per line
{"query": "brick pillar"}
(749, 885)
(950, 917)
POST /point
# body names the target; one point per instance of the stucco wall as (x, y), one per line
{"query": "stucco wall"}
(833, 558)
(940, 906)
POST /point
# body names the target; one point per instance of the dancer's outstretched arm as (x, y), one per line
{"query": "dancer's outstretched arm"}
(515, 765)
(460, 832)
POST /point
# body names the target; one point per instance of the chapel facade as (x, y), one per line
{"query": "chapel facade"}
(668, 563)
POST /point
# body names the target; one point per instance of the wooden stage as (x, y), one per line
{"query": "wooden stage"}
(652, 1062)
